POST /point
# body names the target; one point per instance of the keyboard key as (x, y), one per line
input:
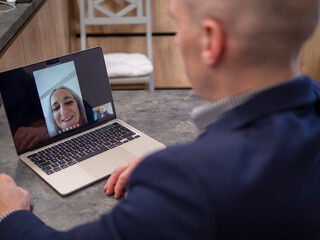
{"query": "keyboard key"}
(127, 135)
(43, 165)
(57, 169)
(61, 162)
(48, 168)
(40, 162)
(49, 172)
(33, 155)
(63, 166)
(72, 163)
(54, 165)
(34, 159)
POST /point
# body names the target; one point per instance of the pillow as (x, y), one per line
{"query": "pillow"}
(127, 64)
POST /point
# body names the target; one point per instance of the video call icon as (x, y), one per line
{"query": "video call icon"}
(69, 128)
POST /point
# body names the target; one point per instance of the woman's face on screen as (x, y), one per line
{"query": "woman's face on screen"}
(64, 108)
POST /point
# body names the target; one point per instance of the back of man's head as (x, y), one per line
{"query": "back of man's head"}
(265, 31)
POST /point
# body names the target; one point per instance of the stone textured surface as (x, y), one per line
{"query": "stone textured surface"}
(162, 114)
(11, 22)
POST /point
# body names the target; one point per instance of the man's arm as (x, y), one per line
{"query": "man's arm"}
(164, 201)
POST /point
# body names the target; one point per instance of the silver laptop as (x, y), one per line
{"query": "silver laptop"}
(63, 121)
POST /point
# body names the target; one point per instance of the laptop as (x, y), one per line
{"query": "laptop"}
(63, 121)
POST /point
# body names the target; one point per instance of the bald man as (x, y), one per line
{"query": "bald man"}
(254, 171)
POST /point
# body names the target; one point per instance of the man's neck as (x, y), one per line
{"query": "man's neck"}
(233, 83)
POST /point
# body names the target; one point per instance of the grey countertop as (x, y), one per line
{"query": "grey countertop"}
(12, 22)
(162, 114)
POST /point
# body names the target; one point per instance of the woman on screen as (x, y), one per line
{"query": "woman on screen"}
(67, 111)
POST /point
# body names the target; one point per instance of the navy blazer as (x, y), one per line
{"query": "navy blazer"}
(254, 174)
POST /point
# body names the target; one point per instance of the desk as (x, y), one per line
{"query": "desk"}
(162, 114)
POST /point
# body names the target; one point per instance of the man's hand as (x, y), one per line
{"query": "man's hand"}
(12, 197)
(119, 178)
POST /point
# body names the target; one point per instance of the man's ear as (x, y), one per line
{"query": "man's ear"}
(214, 41)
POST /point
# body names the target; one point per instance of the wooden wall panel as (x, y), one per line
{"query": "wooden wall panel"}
(309, 58)
(102, 29)
(59, 16)
(168, 64)
(161, 21)
(50, 34)
(119, 44)
(14, 56)
(39, 36)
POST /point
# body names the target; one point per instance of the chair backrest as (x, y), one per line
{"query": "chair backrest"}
(119, 18)
(111, 18)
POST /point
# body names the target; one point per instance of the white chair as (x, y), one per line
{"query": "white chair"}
(111, 18)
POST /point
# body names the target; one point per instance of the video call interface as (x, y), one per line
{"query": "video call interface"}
(44, 101)
(62, 102)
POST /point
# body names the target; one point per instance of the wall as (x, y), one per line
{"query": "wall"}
(54, 31)
(168, 66)
(309, 58)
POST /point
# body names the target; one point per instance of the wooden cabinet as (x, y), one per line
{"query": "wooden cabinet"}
(161, 20)
(46, 35)
(309, 58)
(14, 56)
(168, 65)
(54, 30)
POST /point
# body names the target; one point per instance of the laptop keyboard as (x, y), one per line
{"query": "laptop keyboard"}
(71, 152)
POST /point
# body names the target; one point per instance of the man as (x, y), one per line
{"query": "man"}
(254, 172)
(101, 112)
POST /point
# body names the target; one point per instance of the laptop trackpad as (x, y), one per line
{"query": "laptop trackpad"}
(103, 164)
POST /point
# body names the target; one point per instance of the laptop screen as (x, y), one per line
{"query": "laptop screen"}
(57, 98)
